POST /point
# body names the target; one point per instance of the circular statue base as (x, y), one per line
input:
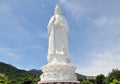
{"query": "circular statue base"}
(58, 71)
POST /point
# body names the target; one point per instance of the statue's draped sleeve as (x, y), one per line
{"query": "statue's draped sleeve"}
(50, 25)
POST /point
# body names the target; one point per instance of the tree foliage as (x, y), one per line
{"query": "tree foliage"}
(115, 74)
(3, 79)
(92, 80)
(11, 75)
(100, 79)
(86, 82)
(16, 76)
(80, 77)
(115, 81)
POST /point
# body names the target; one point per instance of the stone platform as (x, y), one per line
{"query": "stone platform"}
(58, 71)
(77, 82)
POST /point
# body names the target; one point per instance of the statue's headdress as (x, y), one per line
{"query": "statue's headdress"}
(58, 10)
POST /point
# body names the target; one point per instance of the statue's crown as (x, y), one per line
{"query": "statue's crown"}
(58, 10)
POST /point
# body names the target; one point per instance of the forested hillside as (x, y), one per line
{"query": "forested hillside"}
(22, 76)
(18, 76)
(11, 75)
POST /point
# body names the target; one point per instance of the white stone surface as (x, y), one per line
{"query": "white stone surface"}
(58, 35)
(58, 72)
(58, 67)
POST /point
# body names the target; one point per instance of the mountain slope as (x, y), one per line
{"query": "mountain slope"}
(14, 73)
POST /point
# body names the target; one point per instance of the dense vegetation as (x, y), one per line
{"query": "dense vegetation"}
(112, 78)
(11, 75)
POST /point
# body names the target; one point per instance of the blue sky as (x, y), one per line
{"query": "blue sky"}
(94, 33)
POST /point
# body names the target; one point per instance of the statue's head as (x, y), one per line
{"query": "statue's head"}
(58, 10)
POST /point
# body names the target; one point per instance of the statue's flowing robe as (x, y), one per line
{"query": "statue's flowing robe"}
(58, 35)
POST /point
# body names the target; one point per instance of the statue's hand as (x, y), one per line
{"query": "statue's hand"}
(57, 25)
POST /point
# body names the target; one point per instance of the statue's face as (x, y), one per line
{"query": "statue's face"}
(58, 10)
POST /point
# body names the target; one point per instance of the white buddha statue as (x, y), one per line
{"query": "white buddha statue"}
(58, 36)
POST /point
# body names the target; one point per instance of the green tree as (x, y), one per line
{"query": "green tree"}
(3, 79)
(35, 80)
(86, 82)
(115, 74)
(115, 81)
(92, 80)
(12, 82)
(100, 79)
(80, 77)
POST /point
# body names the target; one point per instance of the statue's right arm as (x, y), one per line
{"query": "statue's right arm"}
(51, 22)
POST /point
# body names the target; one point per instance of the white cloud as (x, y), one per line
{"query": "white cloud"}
(10, 26)
(74, 7)
(5, 9)
(101, 63)
(91, 9)
(108, 21)
(36, 46)
(111, 24)
(41, 35)
(104, 31)
(9, 53)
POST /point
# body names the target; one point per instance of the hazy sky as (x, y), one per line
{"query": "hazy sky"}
(94, 33)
